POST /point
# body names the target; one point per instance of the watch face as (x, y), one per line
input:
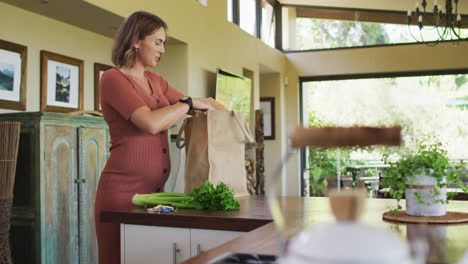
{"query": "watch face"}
(184, 98)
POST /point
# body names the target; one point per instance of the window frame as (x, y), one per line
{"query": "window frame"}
(363, 16)
(302, 80)
(258, 20)
(336, 13)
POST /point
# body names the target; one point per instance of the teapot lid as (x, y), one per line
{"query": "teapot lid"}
(347, 240)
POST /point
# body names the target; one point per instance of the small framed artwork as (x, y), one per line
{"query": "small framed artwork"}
(61, 83)
(99, 69)
(13, 60)
(267, 105)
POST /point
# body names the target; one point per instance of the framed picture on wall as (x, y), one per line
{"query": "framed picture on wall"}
(13, 58)
(267, 105)
(99, 69)
(61, 83)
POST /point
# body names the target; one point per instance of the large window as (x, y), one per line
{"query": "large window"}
(433, 105)
(248, 15)
(230, 11)
(326, 34)
(308, 28)
(268, 23)
(256, 17)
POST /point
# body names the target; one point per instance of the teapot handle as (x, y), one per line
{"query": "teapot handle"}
(420, 249)
(325, 137)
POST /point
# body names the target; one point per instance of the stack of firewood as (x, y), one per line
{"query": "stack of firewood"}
(250, 174)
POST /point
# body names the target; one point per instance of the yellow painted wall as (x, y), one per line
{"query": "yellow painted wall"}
(212, 41)
(400, 58)
(290, 112)
(38, 33)
(270, 86)
(173, 66)
(273, 85)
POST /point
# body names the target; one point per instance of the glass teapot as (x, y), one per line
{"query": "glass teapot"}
(346, 240)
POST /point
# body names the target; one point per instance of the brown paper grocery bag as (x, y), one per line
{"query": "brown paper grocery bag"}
(215, 149)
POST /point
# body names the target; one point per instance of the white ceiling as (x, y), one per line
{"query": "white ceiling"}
(75, 12)
(78, 13)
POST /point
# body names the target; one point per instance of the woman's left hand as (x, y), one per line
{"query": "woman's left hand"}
(201, 104)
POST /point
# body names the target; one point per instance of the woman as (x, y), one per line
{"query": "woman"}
(138, 106)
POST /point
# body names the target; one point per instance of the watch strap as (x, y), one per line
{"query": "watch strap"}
(187, 100)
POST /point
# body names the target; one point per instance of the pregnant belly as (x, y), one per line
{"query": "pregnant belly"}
(139, 173)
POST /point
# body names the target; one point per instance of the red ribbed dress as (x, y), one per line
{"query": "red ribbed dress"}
(138, 162)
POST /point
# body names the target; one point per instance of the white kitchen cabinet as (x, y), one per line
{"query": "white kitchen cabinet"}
(154, 244)
(205, 239)
(167, 245)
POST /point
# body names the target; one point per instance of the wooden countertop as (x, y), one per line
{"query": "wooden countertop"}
(447, 243)
(253, 213)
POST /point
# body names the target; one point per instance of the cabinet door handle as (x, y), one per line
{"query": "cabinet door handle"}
(83, 180)
(199, 250)
(77, 180)
(175, 250)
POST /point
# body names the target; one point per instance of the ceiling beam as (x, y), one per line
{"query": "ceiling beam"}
(394, 5)
(376, 16)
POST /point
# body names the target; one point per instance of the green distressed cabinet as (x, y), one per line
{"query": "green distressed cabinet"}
(60, 160)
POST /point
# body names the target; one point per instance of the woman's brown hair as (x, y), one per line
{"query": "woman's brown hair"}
(136, 26)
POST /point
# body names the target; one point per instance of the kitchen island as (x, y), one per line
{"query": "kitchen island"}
(447, 243)
(177, 236)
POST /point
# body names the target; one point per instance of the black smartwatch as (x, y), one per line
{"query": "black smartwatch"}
(187, 100)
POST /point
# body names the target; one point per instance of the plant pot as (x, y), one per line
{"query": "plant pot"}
(424, 184)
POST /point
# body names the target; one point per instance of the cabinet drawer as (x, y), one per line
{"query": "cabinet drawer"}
(154, 244)
(205, 239)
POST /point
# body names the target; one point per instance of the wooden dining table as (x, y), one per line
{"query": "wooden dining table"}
(447, 243)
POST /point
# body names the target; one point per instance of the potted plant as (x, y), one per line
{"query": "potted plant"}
(422, 177)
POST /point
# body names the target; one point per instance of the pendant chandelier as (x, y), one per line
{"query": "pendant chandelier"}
(447, 25)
